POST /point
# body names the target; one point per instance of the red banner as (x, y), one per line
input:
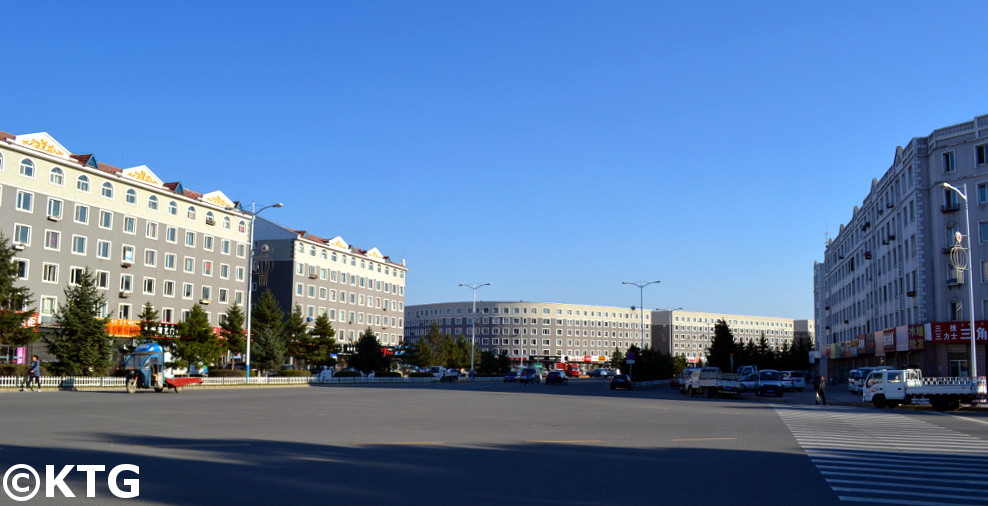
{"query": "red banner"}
(958, 332)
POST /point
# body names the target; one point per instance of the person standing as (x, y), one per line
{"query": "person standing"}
(33, 374)
(821, 390)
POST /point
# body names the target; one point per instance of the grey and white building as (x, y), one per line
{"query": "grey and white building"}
(688, 334)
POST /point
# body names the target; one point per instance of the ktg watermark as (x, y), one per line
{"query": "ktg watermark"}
(22, 482)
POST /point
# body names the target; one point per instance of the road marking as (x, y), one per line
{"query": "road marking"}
(705, 439)
(203, 445)
(962, 417)
(405, 443)
(584, 441)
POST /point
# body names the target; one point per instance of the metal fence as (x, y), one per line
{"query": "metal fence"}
(73, 382)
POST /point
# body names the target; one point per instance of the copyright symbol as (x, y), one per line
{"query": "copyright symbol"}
(13, 486)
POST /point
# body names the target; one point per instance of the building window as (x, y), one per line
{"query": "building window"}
(56, 176)
(153, 203)
(107, 190)
(981, 154)
(82, 184)
(130, 225)
(948, 161)
(170, 259)
(102, 280)
(207, 242)
(227, 223)
(52, 239)
(150, 257)
(25, 201)
(148, 286)
(79, 245)
(190, 213)
(190, 265)
(173, 208)
(190, 239)
(207, 267)
(956, 311)
(102, 249)
(131, 196)
(151, 230)
(168, 290)
(82, 214)
(171, 234)
(49, 273)
(128, 254)
(983, 193)
(105, 219)
(48, 306)
(54, 208)
(27, 168)
(242, 227)
(20, 266)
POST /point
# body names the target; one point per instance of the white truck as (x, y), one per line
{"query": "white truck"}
(892, 387)
(710, 381)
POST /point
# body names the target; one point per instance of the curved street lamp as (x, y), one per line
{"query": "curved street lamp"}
(250, 276)
(970, 276)
(641, 284)
(473, 331)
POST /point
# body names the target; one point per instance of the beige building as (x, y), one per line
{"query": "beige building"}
(688, 334)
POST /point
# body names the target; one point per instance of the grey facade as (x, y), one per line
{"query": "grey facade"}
(688, 334)
(356, 289)
(889, 273)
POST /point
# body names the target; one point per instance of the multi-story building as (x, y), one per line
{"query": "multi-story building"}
(144, 239)
(357, 289)
(688, 334)
(892, 287)
(534, 331)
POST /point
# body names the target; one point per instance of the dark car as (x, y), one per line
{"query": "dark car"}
(621, 381)
(529, 375)
(556, 378)
(511, 377)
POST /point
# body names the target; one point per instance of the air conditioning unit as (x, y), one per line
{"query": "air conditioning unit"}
(126, 263)
(313, 275)
(210, 221)
(204, 301)
(18, 247)
(124, 294)
(53, 218)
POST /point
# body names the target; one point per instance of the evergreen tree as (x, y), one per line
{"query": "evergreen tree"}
(323, 342)
(232, 330)
(196, 343)
(766, 359)
(722, 347)
(269, 344)
(81, 343)
(422, 355)
(297, 334)
(14, 301)
(368, 356)
(149, 323)
(617, 359)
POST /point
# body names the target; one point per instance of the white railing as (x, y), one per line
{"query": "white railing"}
(70, 382)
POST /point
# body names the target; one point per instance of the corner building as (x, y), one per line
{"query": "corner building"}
(144, 239)
(357, 289)
(534, 331)
(888, 290)
(688, 334)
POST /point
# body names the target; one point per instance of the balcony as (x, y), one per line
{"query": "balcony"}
(950, 208)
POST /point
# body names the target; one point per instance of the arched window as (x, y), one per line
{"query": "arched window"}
(190, 213)
(131, 196)
(173, 208)
(1, 161)
(82, 184)
(242, 227)
(56, 176)
(153, 203)
(27, 168)
(107, 190)
(210, 217)
(324, 254)
(227, 223)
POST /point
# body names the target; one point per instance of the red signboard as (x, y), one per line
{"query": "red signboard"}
(957, 332)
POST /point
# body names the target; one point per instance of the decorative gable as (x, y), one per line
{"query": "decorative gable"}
(143, 173)
(218, 198)
(43, 142)
(339, 243)
(374, 253)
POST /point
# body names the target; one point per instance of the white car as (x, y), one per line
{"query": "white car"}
(795, 380)
(749, 383)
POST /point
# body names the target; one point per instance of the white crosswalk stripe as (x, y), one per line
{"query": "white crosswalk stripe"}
(882, 457)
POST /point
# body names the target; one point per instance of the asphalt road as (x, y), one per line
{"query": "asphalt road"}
(482, 443)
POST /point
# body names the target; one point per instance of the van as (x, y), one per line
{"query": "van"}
(855, 378)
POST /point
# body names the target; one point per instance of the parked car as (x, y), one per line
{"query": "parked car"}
(770, 382)
(622, 381)
(597, 373)
(684, 378)
(556, 378)
(749, 383)
(512, 377)
(795, 380)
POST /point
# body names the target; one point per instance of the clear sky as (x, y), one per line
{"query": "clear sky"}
(553, 148)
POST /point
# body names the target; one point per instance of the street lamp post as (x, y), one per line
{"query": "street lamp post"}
(970, 276)
(641, 284)
(250, 277)
(473, 331)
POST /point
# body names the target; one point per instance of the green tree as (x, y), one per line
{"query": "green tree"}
(81, 343)
(617, 359)
(14, 301)
(269, 344)
(149, 323)
(766, 358)
(196, 343)
(232, 330)
(322, 342)
(421, 355)
(297, 334)
(368, 356)
(722, 347)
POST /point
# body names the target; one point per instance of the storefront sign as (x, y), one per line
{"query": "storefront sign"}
(957, 332)
(917, 338)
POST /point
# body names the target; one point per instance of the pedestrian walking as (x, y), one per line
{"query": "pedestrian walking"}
(821, 390)
(33, 374)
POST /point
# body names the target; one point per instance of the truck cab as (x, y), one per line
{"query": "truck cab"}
(886, 387)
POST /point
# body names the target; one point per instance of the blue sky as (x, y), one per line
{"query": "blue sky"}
(553, 148)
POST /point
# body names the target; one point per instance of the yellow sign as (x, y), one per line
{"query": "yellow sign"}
(123, 328)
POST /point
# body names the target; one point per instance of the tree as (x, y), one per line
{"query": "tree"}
(766, 358)
(722, 347)
(322, 342)
(149, 323)
(269, 344)
(14, 302)
(196, 343)
(81, 343)
(421, 355)
(617, 359)
(232, 330)
(368, 357)
(297, 334)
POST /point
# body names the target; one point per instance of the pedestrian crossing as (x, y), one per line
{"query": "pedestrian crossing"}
(882, 457)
